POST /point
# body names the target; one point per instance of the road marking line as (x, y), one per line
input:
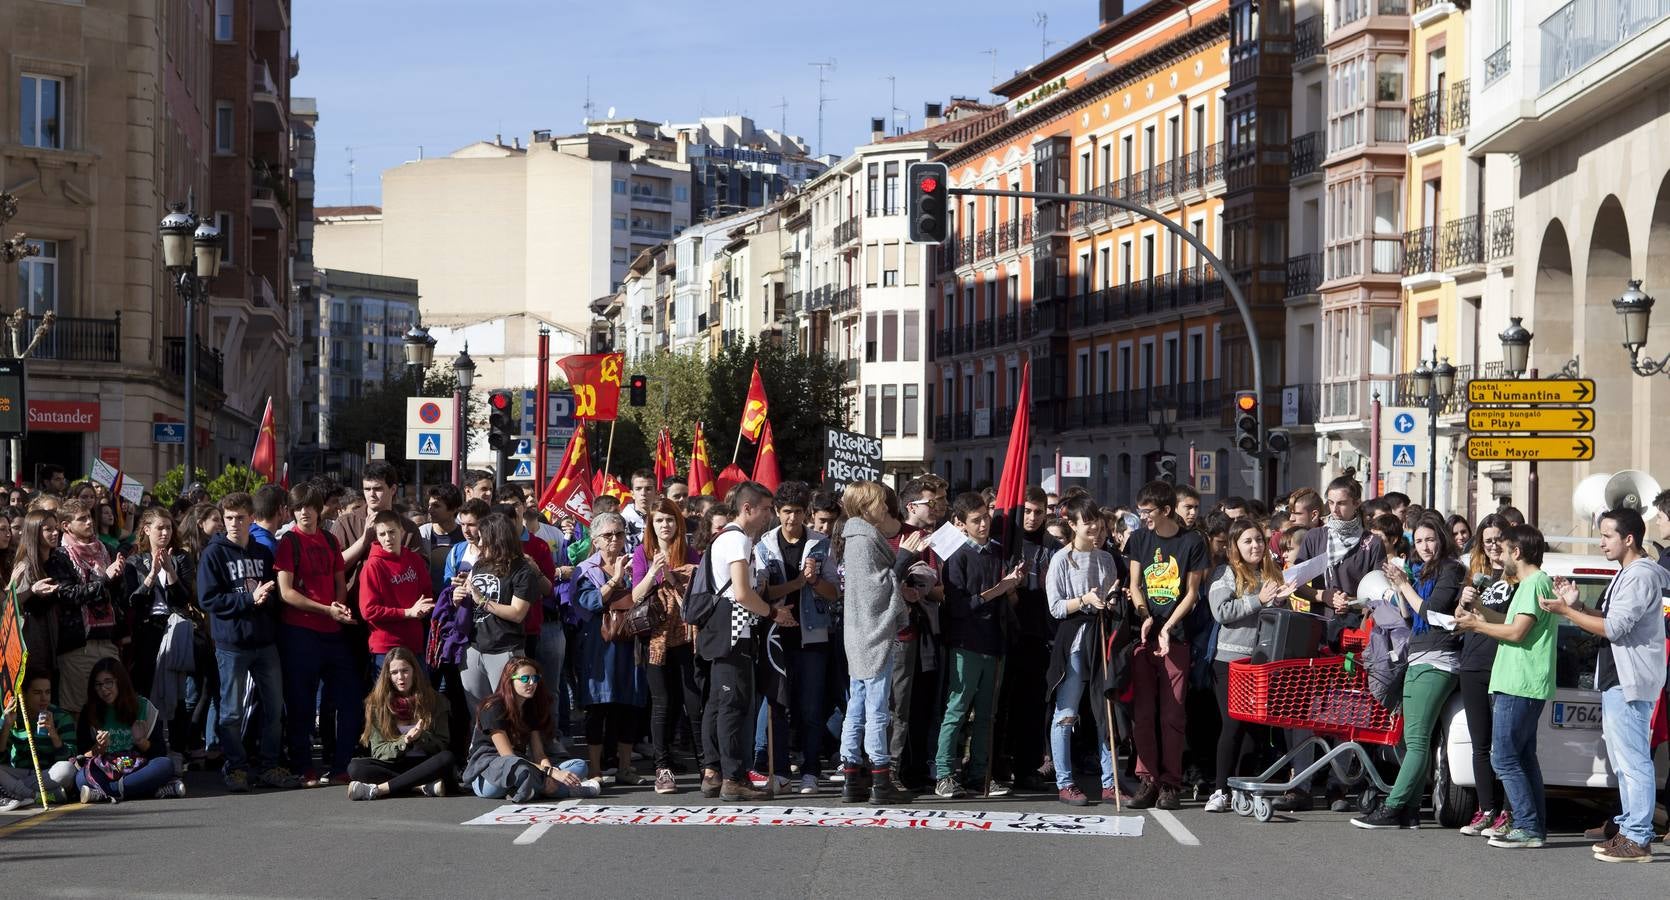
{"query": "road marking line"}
(532, 833)
(39, 818)
(1177, 830)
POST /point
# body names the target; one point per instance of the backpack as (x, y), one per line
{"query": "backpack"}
(701, 601)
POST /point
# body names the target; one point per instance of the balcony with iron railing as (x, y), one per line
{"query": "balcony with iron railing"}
(1155, 185)
(985, 333)
(1195, 400)
(944, 342)
(75, 339)
(1308, 40)
(1452, 404)
(1498, 64)
(210, 365)
(846, 232)
(1462, 243)
(1305, 157)
(1426, 116)
(1304, 273)
(1461, 106)
(1163, 293)
(845, 300)
(1583, 31)
(942, 428)
(1420, 250)
(1501, 233)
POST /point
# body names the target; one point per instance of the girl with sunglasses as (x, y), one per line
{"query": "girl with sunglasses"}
(507, 750)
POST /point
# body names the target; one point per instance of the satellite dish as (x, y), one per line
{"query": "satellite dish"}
(611, 112)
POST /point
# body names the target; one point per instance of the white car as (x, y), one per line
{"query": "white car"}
(1569, 745)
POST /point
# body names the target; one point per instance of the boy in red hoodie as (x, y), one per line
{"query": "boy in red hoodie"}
(394, 590)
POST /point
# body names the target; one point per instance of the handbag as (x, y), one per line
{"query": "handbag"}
(627, 620)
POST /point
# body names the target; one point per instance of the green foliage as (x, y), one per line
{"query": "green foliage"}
(379, 414)
(676, 395)
(805, 392)
(173, 483)
(233, 479)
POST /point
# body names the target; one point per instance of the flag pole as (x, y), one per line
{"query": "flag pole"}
(609, 452)
(739, 431)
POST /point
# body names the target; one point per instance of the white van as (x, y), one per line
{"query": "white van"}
(1569, 745)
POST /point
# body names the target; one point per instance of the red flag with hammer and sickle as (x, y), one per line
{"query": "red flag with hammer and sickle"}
(755, 409)
(595, 380)
(570, 493)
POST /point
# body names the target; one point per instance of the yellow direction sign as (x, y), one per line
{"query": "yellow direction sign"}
(1531, 390)
(1530, 449)
(1547, 418)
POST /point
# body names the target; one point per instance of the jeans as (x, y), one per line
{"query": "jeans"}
(869, 712)
(311, 659)
(1627, 727)
(973, 684)
(141, 783)
(674, 691)
(377, 660)
(806, 666)
(1425, 689)
(237, 668)
(1067, 697)
(727, 717)
(1158, 684)
(403, 773)
(492, 791)
(480, 673)
(1513, 753)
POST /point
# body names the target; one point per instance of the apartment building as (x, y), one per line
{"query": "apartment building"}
(305, 283)
(1302, 331)
(1577, 91)
(1122, 322)
(736, 165)
(696, 288)
(362, 320)
(109, 113)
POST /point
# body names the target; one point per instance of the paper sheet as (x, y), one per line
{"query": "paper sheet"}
(1441, 620)
(946, 540)
(1305, 572)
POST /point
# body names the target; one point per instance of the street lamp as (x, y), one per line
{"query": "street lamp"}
(420, 353)
(191, 252)
(464, 369)
(1636, 309)
(1163, 420)
(1516, 348)
(1433, 382)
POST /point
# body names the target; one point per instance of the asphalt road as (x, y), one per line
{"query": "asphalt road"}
(316, 843)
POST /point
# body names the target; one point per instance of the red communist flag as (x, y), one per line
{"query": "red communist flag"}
(729, 477)
(1011, 488)
(595, 380)
(755, 408)
(265, 459)
(701, 471)
(665, 465)
(765, 463)
(570, 493)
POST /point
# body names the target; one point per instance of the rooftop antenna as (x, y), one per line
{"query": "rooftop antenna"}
(893, 103)
(350, 175)
(992, 52)
(1042, 21)
(782, 106)
(823, 68)
(588, 106)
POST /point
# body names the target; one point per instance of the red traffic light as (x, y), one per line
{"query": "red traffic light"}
(1246, 401)
(500, 400)
(639, 382)
(928, 184)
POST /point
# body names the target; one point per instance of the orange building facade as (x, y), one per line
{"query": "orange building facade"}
(1122, 322)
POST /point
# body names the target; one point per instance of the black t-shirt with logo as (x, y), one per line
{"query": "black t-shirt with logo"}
(1166, 563)
(1478, 652)
(493, 634)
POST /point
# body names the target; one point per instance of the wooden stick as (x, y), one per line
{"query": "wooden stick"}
(609, 453)
(738, 449)
(770, 749)
(1113, 748)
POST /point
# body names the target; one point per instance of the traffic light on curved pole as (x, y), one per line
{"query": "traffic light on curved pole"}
(1246, 422)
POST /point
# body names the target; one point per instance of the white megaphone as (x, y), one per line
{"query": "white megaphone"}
(1629, 489)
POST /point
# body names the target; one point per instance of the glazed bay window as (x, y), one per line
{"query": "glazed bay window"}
(1388, 225)
(1344, 230)
(1347, 92)
(37, 278)
(1390, 112)
(41, 112)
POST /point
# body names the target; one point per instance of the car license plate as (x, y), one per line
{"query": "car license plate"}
(1574, 715)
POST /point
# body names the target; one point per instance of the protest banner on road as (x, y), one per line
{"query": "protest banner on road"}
(1074, 824)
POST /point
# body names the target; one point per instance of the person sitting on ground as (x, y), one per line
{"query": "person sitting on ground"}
(54, 746)
(127, 753)
(507, 749)
(405, 727)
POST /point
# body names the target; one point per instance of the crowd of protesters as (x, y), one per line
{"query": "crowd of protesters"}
(788, 641)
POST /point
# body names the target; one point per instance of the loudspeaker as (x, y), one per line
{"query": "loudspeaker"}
(1629, 489)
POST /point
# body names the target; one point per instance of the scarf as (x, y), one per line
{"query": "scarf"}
(1344, 535)
(91, 558)
(401, 707)
(1423, 588)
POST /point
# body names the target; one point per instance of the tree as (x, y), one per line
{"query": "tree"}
(232, 479)
(676, 395)
(379, 415)
(806, 392)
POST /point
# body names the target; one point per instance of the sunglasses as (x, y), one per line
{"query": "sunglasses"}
(610, 535)
(525, 679)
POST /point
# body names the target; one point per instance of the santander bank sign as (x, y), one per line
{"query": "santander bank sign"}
(63, 415)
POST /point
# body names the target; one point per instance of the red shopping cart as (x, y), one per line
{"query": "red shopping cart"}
(1328, 696)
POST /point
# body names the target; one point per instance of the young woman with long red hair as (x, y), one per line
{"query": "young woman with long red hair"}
(406, 729)
(507, 750)
(661, 568)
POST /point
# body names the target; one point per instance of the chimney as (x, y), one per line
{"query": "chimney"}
(878, 130)
(498, 139)
(683, 142)
(1112, 9)
(932, 114)
(516, 142)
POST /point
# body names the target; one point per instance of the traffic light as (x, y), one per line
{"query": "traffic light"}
(639, 386)
(1246, 422)
(501, 430)
(1166, 466)
(928, 207)
(1278, 440)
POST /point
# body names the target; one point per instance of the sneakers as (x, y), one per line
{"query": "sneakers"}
(1072, 796)
(90, 794)
(947, 788)
(1146, 796)
(237, 782)
(591, 787)
(173, 790)
(885, 789)
(626, 777)
(1602, 833)
(1295, 800)
(1337, 801)
(710, 784)
(776, 784)
(732, 791)
(436, 788)
(1502, 825)
(1001, 789)
(15, 803)
(278, 777)
(1517, 839)
(1112, 795)
(808, 783)
(1169, 799)
(1622, 849)
(1387, 817)
(359, 790)
(665, 783)
(1218, 802)
(1481, 821)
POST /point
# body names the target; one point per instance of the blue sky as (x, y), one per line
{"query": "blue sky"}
(395, 75)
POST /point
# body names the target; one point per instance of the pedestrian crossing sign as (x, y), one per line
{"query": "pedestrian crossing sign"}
(1403, 456)
(523, 472)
